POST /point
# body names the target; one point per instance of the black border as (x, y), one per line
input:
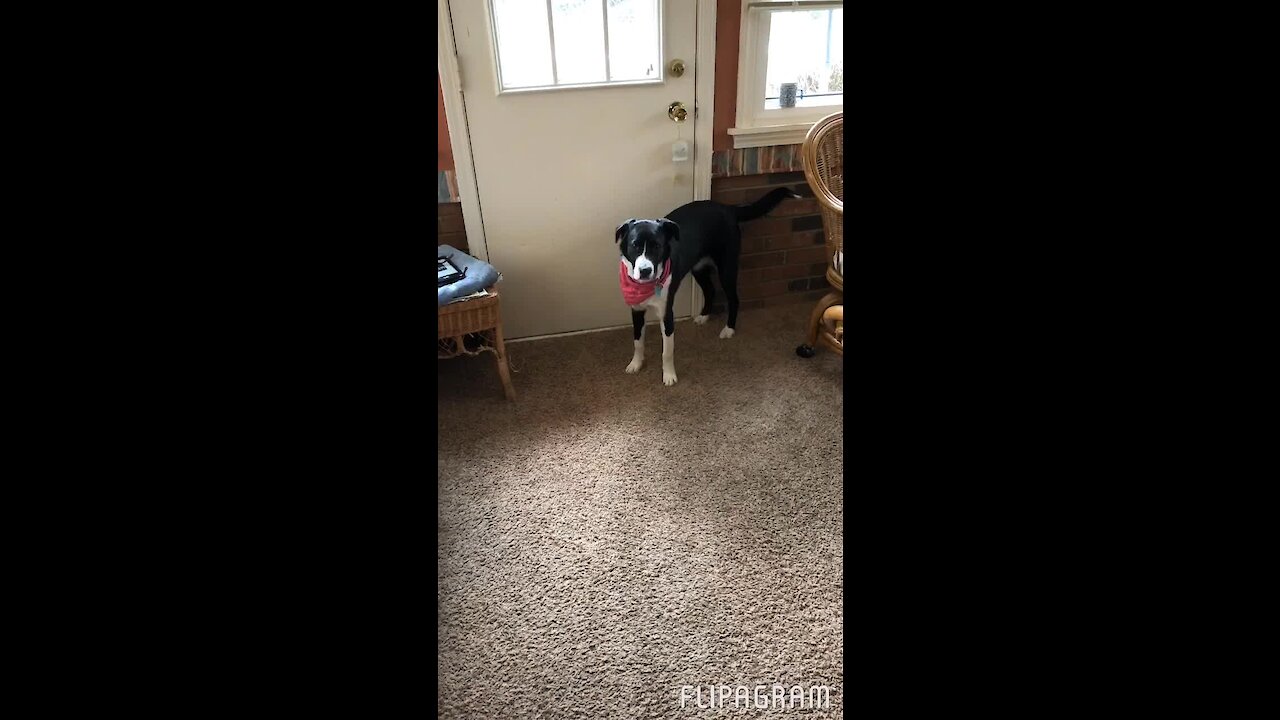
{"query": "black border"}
(285, 196)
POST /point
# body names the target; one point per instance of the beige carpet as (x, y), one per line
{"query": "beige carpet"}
(606, 540)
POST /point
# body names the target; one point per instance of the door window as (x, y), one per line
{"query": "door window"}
(549, 44)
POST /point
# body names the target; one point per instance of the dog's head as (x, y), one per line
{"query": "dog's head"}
(646, 245)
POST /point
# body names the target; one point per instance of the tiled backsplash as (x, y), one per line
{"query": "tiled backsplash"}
(756, 161)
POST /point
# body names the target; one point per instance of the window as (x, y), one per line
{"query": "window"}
(549, 44)
(788, 41)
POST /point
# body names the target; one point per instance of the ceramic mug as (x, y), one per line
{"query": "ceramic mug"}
(787, 95)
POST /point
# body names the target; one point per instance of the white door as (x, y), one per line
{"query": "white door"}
(567, 113)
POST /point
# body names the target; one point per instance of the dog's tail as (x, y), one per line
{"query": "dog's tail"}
(762, 206)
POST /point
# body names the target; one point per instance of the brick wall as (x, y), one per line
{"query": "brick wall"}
(784, 255)
(449, 228)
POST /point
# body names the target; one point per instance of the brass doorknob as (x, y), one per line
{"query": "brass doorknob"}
(677, 112)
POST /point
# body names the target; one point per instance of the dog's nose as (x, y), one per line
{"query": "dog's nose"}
(645, 272)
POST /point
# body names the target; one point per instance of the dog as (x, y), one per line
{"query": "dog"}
(657, 254)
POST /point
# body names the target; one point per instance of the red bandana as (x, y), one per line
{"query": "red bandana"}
(635, 292)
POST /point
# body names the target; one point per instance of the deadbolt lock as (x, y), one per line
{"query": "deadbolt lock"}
(677, 112)
(677, 68)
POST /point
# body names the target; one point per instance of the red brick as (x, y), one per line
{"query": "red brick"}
(762, 290)
(797, 207)
(753, 245)
(806, 255)
(450, 222)
(754, 194)
(457, 240)
(730, 197)
(802, 223)
(786, 242)
(818, 269)
(787, 178)
(744, 277)
(766, 226)
(741, 182)
(761, 260)
(807, 297)
(784, 272)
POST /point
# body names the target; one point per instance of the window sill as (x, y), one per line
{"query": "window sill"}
(790, 134)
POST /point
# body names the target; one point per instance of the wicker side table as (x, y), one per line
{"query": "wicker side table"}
(479, 317)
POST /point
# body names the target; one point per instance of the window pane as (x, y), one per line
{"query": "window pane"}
(524, 47)
(633, 40)
(579, 40)
(806, 47)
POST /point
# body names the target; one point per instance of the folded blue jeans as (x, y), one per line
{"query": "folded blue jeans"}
(479, 275)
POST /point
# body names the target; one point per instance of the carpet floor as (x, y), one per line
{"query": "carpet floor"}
(605, 541)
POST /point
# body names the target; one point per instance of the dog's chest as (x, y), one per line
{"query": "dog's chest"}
(659, 304)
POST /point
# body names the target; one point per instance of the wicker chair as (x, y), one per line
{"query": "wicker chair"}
(480, 319)
(824, 169)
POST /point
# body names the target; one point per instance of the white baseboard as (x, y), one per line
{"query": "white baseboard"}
(584, 332)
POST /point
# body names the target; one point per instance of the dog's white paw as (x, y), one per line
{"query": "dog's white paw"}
(668, 377)
(701, 319)
(634, 367)
(726, 333)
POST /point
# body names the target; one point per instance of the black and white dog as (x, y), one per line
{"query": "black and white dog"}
(658, 254)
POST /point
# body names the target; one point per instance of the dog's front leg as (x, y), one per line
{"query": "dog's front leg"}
(637, 325)
(669, 346)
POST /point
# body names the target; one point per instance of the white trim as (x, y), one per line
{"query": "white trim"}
(581, 86)
(746, 67)
(628, 326)
(604, 15)
(771, 135)
(796, 4)
(551, 37)
(704, 76)
(455, 113)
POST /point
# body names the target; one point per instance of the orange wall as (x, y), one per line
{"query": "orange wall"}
(444, 151)
(728, 24)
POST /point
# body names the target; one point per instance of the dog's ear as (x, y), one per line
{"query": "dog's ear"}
(671, 230)
(622, 229)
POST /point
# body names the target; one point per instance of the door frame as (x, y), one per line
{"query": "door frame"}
(704, 74)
